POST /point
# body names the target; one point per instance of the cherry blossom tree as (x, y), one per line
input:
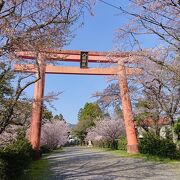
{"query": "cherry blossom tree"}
(161, 87)
(106, 130)
(32, 26)
(153, 18)
(156, 21)
(10, 135)
(54, 134)
(156, 84)
(109, 96)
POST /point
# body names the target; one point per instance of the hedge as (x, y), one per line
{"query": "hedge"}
(15, 158)
(154, 145)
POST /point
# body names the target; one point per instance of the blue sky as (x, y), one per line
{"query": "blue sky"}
(96, 34)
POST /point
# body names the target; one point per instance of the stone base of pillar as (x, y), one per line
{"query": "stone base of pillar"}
(133, 149)
(37, 155)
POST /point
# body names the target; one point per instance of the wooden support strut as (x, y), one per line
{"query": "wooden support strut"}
(35, 130)
(132, 146)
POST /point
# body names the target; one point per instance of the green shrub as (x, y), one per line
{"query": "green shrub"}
(114, 144)
(15, 158)
(122, 143)
(177, 127)
(154, 145)
(45, 149)
(101, 144)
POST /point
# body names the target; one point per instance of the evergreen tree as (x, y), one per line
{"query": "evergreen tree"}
(87, 117)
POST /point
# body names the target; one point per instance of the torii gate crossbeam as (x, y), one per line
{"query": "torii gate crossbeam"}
(121, 71)
(49, 69)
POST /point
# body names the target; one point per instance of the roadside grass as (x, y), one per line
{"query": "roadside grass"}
(39, 170)
(146, 157)
(57, 151)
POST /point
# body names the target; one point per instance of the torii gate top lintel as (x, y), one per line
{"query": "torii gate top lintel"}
(74, 55)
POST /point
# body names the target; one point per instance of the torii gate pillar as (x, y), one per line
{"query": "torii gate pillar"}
(35, 130)
(132, 146)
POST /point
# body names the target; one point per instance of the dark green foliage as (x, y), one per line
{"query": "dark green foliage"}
(6, 94)
(59, 117)
(15, 158)
(6, 76)
(122, 143)
(148, 114)
(107, 144)
(87, 117)
(114, 144)
(45, 149)
(177, 127)
(90, 111)
(47, 115)
(154, 145)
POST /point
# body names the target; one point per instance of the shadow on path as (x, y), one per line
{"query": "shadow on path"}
(78, 163)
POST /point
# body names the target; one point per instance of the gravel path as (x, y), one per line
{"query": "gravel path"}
(78, 163)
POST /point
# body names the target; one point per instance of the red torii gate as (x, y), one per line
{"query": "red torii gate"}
(74, 56)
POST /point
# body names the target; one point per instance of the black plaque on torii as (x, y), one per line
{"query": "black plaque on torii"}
(84, 59)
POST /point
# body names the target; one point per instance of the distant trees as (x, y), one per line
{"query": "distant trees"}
(90, 111)
(87, 117)
(59, 117)
(46, 114)
(106, 131)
